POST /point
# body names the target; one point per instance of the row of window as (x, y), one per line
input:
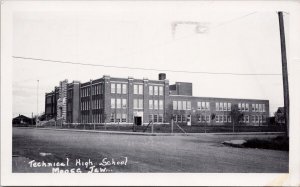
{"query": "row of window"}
(118, 88)
(96, 90)
(179, 118)
(223, 118)
(182, 105)
(258, 108)
(118, 103)
(156, 104)
(203, 105)
(223, 106)
(85, 105)
(156, 118)
(96, 118)
(118, 118)
(137, 89)
(138, 104)
(204, 118)
(258, 119)
(156, 90)
(96, 104)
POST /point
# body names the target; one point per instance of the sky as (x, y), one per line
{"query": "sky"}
(142, 37)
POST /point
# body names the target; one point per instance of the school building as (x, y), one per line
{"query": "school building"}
(139, 101)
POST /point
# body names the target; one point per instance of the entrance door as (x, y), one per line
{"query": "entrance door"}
(137, 120)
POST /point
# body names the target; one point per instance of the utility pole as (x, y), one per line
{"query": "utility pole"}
(37, 104)
(284, 73)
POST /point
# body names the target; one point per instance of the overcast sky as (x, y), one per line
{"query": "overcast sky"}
(142, 36)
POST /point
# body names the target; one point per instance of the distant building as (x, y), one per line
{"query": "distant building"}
(280, 116)
(139, 101)
(22, 120)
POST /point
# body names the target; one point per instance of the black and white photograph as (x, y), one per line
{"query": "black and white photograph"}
(151, 88)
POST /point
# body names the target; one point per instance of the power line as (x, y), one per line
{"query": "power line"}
(146, 69)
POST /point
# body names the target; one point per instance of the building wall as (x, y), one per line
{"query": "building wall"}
(198, 105)
(91, 102)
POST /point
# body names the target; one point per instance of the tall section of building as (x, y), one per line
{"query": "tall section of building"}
(140, 101)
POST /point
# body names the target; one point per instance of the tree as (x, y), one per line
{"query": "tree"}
(236, 115)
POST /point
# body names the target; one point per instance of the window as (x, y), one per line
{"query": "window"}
(124, 89)
(150, 118)
(174, 105)
(225, 118)
(199, 105)
(217, 118)
(207, 106)
(160, 118)
(183, 105)
(155, 90)
(124, 103)
(113, 88)
(247, 119)
(256, 107)
(225, 107)
(240, 106)
(124, 118)
(260, 107)
(253, 107)
(141, 89)
(202, 118)
(112, 117)
(202, 105)
(263, 108)
(179, 118)
(118, 118)
(229, 107)
(183, 118)
(155, 118)
(161, 104)
(243, 106)
(150, 104)
(174, 118)
(221, 119)
(221, 107)
(119, 103)
(179, 105)
(150, 90)
(141, 104)
(256, 119)
(135, 89)
(156, 104)
(118, 88)
(264, 119)
(113, 103)
(207, 118)
(229, 119)
(161, 90)
(199, 118)
(188, 105)
(217, 106)
(247, 107)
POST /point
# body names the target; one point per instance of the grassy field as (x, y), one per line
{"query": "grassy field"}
(203, 153)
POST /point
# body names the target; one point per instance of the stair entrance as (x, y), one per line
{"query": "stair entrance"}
(137, 120)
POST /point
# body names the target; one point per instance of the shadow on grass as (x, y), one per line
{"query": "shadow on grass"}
(277, 143)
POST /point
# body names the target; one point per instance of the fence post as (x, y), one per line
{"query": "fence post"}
(172, 125)
(152, 127)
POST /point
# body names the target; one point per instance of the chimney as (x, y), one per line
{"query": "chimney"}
(162, 76)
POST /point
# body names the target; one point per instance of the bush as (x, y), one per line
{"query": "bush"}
(277, 143)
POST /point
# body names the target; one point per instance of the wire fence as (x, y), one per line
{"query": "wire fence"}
(159, 128)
